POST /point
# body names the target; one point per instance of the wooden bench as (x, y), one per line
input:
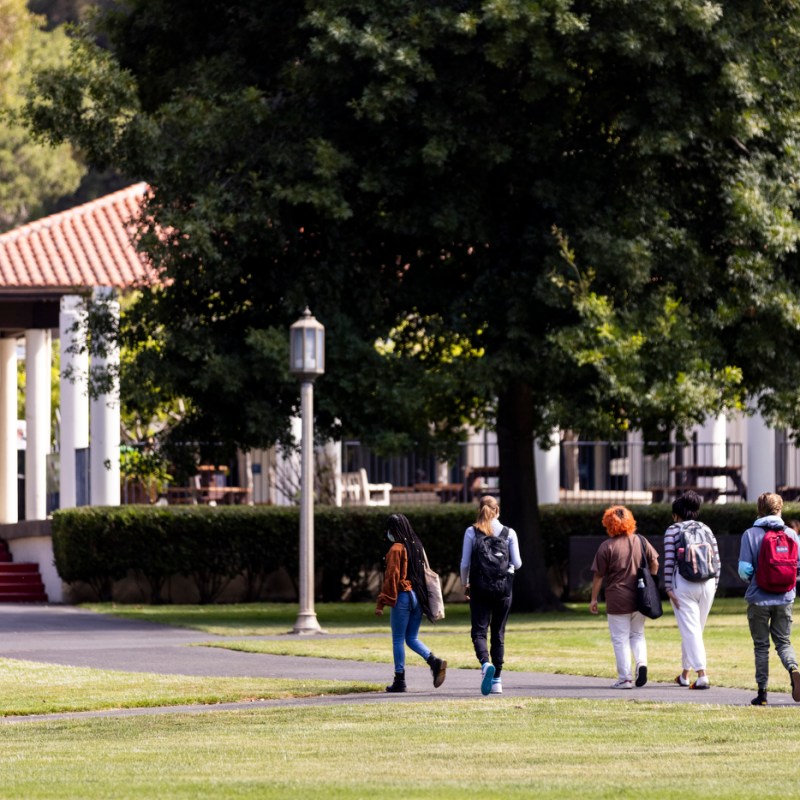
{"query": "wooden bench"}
(475, 485)
(358, 491)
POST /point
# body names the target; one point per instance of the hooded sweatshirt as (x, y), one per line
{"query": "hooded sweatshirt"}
(748, 562)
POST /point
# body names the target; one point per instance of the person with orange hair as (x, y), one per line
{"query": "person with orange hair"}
(615, 563)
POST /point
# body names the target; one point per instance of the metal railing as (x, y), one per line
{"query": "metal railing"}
(423, 478)
(665, 469)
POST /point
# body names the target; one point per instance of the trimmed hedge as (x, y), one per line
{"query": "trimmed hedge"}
(211, 546)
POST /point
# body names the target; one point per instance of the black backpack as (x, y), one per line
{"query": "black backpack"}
(488, 571)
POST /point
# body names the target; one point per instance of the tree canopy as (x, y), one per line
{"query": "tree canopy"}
(543, 214)
(31, 174)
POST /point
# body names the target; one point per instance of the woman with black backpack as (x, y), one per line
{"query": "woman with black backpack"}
(489, 557)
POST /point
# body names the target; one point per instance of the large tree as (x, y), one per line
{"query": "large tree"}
(31, 174)
(556, 213)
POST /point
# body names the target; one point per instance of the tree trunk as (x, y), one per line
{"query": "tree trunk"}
(518, 499)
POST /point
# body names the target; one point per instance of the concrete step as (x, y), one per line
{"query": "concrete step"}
(19, 578)
(19, 582)
(20, 586)
(33, 597)
(18, 567)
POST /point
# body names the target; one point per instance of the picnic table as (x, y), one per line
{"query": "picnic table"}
(688, 475)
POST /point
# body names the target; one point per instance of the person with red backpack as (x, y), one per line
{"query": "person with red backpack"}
(768, 560)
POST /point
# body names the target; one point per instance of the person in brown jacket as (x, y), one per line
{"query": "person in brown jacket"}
(615, 564)
(404, 590)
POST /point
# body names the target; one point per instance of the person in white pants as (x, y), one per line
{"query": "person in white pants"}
(691, 599)
(615, 566)
(627, 639)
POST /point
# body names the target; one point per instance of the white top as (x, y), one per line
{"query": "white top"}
(469, 539)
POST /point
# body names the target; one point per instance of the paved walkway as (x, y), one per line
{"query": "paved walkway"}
(74, 637)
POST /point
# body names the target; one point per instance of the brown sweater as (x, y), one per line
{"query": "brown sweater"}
(617, 561)
(395, 579)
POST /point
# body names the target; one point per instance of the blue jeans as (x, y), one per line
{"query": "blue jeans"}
(406, 618)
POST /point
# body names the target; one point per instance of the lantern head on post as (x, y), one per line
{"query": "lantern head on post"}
(307, 347)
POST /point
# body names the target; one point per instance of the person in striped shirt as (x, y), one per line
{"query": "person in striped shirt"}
(691, 599)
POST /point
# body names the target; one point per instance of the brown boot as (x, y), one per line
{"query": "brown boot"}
(438, 669)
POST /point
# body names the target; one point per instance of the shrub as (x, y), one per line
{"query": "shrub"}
(211, 546)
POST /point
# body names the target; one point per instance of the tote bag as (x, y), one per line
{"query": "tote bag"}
(434, 586)
(648, 597)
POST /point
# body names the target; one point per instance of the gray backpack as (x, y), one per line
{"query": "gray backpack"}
(696, 557)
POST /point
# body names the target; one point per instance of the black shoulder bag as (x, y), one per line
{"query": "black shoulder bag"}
(648, 597)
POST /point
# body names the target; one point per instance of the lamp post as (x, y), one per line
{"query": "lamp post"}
(306, 361)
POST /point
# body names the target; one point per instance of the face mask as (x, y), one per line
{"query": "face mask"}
(390, 536)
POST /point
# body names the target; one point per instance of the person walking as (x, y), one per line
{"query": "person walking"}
(691, 578)
(405, 591)
(766, 554)
(615, 564)
(489, 558)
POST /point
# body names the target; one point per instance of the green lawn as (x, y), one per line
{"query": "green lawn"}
(499, 748)
(506, 748)
(573, 642)
(28, 687)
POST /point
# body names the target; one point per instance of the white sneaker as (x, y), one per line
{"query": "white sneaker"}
(622, 684)
(497, 686)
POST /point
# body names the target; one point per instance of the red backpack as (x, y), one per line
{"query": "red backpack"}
(777, 562)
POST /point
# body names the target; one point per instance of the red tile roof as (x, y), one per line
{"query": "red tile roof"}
(89, 245)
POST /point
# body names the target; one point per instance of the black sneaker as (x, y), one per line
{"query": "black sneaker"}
(760, 699)
(641, 675)
(794, 677)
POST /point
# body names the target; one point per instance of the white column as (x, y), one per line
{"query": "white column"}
(635, 461)
(714, 432)
(548, 472)
(37, 421)
(760, 473)
(104, 417)
(285, 483)
(333, 455)
(8, 430)
(74, 391)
